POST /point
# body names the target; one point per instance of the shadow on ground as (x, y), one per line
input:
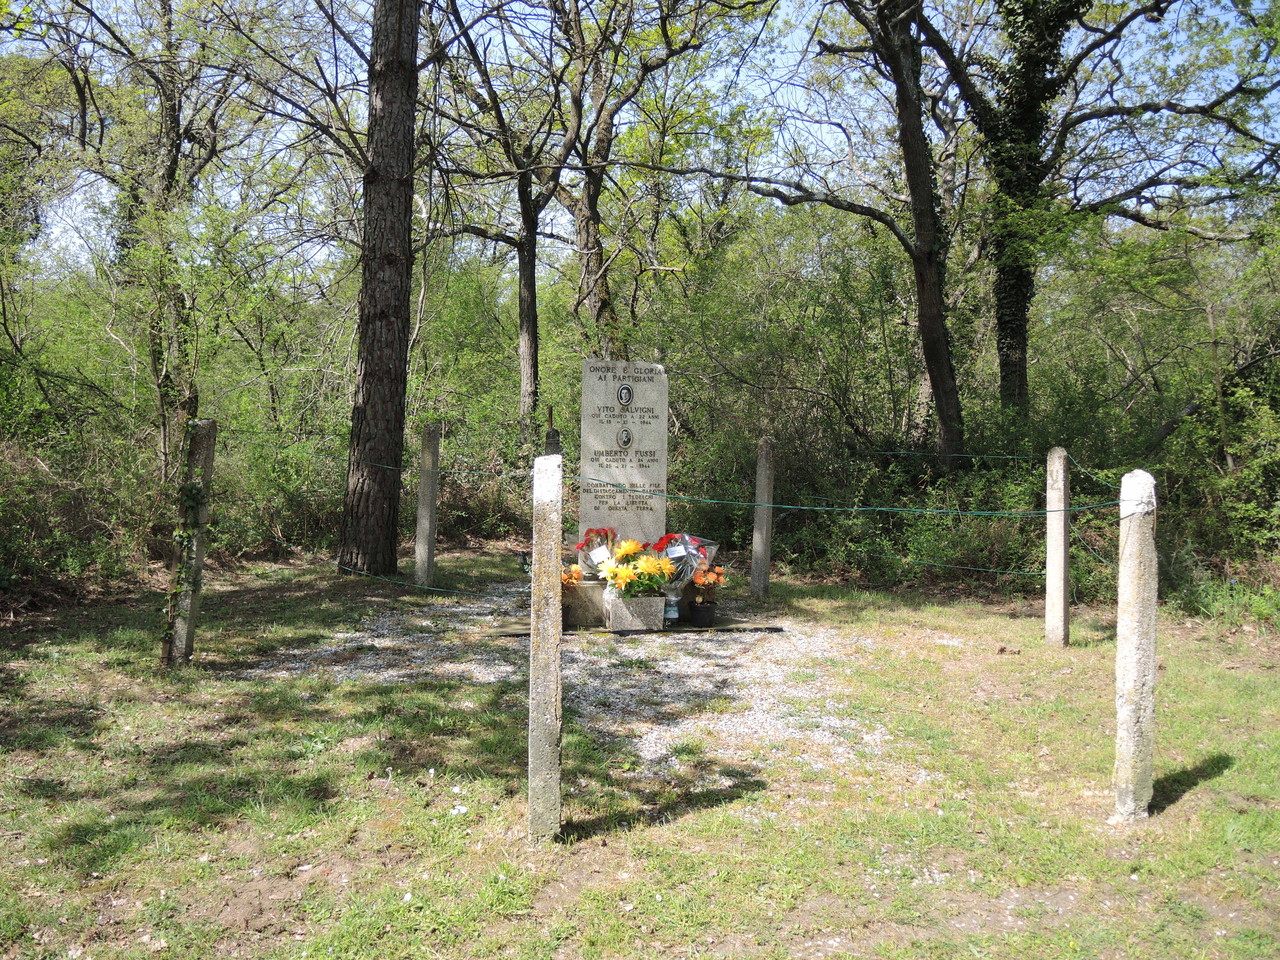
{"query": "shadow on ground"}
(1172, 787)
(234, 743)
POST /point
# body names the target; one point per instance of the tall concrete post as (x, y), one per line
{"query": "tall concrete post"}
(544, 650)
(424, 542)
(762, 533)
(193, 525)
(1057, 571)
(1136, 648)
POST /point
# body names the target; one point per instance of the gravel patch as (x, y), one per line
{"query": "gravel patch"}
(742, 694)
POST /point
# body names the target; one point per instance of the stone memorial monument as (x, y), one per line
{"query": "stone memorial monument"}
(624, 445)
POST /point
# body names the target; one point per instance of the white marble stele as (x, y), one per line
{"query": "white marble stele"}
(624, 449)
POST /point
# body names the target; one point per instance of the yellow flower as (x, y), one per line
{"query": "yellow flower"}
(621, 576)
(667, 567)
(648, 564)
(625, 549)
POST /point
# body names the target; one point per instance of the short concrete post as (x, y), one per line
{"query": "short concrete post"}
(1057, 571)
(1136, 648)
(544, 650)
(762, 533)
(424, 543)
(193, 524)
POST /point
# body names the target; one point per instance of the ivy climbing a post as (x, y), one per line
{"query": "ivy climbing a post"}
(193, 522)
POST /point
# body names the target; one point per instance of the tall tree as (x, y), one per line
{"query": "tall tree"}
(505, 90)
(151, 112)
(371, 507)
(613, 50)
(1068, 92)
(882, 53)
(895, 44)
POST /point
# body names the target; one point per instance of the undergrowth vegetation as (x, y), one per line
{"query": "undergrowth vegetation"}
(806, 345)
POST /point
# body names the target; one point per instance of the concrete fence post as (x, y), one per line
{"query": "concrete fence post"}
(1057, 571)
(1136, 648)
(424, 543)
(544, 650)
(193, 524)
(762, 533)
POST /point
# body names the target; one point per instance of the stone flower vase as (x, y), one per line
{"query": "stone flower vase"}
(583, 604)
(637, 613)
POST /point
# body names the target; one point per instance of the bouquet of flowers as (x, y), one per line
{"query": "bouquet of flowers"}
(596, 547)
(706, 579)
(635, 572)
(687, 552)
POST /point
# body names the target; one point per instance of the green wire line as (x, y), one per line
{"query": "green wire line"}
(1092, 476)
(523, 475)
(789, 506)
(416, 586)
(241, 432)
(970, 456)
(1089, 547)
(954, 566)
(330, 456)
(385, 466)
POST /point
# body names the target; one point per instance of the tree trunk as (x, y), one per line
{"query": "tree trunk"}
(371, 507)
(1013, 118)
(527, 262)
(936, 347)
(595, 295)
(1015, 285)
(900, 51)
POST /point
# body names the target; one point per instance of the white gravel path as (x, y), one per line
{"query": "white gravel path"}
(739, 692)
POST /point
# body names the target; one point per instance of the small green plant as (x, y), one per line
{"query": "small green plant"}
(1231, 602)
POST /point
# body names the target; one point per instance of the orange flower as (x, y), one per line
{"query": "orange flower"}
(626, 548)
(648, 564)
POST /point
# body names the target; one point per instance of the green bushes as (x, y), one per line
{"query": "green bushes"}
(54, 526)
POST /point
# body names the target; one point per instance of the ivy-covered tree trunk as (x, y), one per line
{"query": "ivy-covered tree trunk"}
(371, 507)
(1013, 120)
(1015, 288)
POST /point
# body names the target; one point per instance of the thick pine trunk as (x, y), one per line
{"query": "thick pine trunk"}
(371, 507)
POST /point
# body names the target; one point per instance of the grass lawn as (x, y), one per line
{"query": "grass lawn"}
(223, 812)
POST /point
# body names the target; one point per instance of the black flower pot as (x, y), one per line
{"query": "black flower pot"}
(702, 614)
